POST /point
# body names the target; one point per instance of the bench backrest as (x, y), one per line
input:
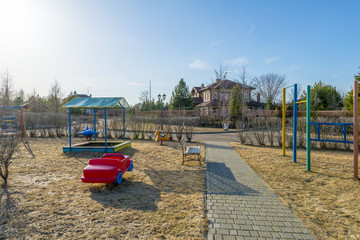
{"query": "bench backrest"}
(183, 144)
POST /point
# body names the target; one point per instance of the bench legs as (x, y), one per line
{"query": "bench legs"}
(199, 158)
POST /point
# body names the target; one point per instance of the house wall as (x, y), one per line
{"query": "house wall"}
(207, 95)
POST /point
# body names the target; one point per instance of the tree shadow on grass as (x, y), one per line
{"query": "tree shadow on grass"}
(7, 208)
(176, 181)
(127, 195)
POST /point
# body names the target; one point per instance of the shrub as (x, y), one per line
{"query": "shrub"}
(8, 146)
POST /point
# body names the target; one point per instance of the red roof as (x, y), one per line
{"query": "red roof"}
(225, 84)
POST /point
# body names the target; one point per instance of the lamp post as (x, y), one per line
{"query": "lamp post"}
(161, 99)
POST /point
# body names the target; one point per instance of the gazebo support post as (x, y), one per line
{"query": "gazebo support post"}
(70, 128)
(124, 121)
(105, 130)
(95, 123)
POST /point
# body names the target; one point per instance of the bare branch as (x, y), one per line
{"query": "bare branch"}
(269, 85)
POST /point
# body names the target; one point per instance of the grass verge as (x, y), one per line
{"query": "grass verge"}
(325, 199)
(46, 199)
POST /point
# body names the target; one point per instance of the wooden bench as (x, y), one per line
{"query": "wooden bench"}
(188, 151)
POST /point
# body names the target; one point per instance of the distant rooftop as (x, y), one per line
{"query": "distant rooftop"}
(111, 102)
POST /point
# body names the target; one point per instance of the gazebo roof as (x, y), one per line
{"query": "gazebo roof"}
(106, 102)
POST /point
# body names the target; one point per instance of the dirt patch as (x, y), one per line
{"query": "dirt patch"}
(46, 199)
(326, 199)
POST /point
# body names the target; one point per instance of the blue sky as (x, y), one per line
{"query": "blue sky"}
(114, 48)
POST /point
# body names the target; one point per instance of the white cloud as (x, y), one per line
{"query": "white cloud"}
(198, 64)
(237, 61)
(252, 29)
(294, 67)
(271, 59)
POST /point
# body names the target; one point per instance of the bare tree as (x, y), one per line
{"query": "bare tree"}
(55, 96)
(8, 146)
(222, 94)
(7, 89)
(33, 96)
(269, 85)
(19, 97)
(243, 76)
(290, 94)
(244, 79)
(221, 73)
(144, 96)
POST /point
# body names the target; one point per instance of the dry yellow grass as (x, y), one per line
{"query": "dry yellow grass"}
(326, 199)
(46, 199)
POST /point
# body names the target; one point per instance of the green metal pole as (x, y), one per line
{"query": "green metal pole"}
(308, 146)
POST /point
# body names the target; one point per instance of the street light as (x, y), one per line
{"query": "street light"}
(161, 111)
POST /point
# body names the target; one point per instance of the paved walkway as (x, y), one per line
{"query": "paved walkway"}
(239, 204)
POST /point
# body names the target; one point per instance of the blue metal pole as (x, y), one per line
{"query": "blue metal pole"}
(70, 128)
(124, 121)
(295, 123)
(105, 132)
(95, 123)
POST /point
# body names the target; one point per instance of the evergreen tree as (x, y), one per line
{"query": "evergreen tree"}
(348, 100)
(181, 98)
(269, 104)
(324, 97)
(236, 105)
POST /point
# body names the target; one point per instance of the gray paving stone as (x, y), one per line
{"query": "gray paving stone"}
(240, 205)
(229, 237)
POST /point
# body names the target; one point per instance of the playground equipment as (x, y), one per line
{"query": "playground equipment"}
(88, 133)
(9, 120)
(317, 127)
(161, 137)
(97, 104)
(107, 169)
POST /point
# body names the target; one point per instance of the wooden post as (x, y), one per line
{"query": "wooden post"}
(283, 121)
(356, 128)
(295, 123)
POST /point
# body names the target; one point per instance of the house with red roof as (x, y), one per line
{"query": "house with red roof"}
(214, 99)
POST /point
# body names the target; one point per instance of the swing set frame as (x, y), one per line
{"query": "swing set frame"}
(317, 125)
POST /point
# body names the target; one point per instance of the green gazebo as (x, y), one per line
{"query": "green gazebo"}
(96, 104)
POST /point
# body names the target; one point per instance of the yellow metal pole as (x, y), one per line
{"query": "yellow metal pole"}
(283, 122)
